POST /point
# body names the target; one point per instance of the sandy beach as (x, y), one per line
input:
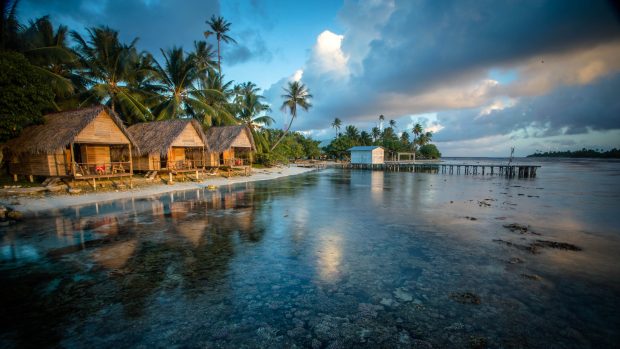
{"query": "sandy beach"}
(35, 204)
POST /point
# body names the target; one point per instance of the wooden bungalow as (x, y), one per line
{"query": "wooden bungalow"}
(170, 146)
(86, 143)
(231, 146)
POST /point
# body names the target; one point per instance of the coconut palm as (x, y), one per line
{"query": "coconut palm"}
(376, 133)
(48, 51)
(203, 56)
(216, 93)
(108, 67)
(365, 138)
(393, 123)
(352, 132)
(381, 119)
(251, 111)
(9, 25)
(336, 125)
(417, 131)
(297, 95)
(180, 98)
(219, 26)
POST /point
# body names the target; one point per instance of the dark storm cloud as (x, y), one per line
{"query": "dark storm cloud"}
(157, 24)
(435, 40)
(568, 110)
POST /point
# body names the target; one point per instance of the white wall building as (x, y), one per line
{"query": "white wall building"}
(367, 155)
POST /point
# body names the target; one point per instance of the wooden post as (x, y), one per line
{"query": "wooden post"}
(31, 178)
(72, 160)
(170, 177)
(14, 178)
(94, 184)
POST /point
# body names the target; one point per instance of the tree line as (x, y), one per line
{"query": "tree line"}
(46, 68)
(583, 153)
(387, 137)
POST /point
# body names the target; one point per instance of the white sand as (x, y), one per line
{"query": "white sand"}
(34, 204)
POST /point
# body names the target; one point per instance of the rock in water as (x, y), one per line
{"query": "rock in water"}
(465, 298)
(402, 295)
(15, 215)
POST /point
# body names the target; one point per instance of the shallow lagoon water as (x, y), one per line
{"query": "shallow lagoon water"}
(331, 259)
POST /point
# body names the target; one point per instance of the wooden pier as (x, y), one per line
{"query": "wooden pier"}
(511, 171)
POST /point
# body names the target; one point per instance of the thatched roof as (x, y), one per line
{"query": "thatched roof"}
(221, 138)
(158, 136)
(59, 130)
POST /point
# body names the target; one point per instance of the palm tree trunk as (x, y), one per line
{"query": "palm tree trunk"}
(283, 135)
(219, 58)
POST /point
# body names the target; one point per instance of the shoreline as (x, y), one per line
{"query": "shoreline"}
(31, 205)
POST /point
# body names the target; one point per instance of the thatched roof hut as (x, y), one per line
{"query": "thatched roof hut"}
(158, 137)
(87, 142)
(224, 138)
(59, 130)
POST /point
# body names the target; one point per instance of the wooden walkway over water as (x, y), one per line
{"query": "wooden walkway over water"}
(513, 170)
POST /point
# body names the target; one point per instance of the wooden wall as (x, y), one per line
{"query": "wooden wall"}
(39, 164)
(188, 138)
(149, 162)
(95, 154)
(102, 130)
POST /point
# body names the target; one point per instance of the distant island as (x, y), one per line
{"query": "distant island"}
(583, 153)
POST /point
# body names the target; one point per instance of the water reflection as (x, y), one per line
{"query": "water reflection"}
(341, 258)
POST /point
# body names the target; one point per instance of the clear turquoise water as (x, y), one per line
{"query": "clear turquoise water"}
(330, 259)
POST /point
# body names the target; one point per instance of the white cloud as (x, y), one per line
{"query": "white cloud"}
(327, 56)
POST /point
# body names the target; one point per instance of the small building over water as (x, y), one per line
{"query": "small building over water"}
(234, 144)
(80, 144)
(367, 155)
(170, 145)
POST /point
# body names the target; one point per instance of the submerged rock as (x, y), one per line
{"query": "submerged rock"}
(465, 297)
(477, 342)
(15, 215)
(402, 295)
(557, 245)
(519, 228)
(531, 277)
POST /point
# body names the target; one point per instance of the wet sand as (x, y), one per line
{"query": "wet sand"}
(36, 204)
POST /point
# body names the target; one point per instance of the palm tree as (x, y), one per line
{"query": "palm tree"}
(251, 110)
(48, 51)
(352, 132)
(376, 133)
(365, 138)
(417, 130)
(219, 27)
(9, 25)
(216, 93)
(180, 98)
(381, 119)
(251, 113)
(297, 94)
(108, 68)
(336, 125)
(392, 123)
(203, 57)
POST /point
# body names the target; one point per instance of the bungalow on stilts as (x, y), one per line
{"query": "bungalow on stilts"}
(232, 147)
(82, 144)
(170, 146)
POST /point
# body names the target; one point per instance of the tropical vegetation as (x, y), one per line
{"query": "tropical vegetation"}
(386, 137)
(583, 153)
(46, 68)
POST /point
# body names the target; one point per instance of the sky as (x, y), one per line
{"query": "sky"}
(483, 75)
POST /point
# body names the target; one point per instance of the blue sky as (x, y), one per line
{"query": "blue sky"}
(483, 75)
